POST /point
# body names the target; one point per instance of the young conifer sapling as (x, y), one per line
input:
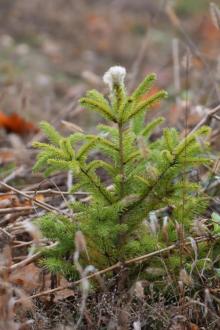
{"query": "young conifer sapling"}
(123, 219)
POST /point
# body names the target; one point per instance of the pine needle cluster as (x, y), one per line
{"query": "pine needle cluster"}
(152, 196)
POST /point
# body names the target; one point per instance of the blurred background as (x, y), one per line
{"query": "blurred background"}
(52, 51)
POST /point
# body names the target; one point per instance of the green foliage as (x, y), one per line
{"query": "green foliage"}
(122, 222)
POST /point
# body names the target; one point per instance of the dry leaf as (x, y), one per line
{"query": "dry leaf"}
(27, 277)
(7, 156)
(15, 124)
(209, 32)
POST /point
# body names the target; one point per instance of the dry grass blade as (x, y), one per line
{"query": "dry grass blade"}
(71, 126)
(215, 15)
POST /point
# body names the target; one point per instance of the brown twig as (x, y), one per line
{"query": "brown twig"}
(17, 172)
(22, 244)
(48, 192)
(6, 233)
(125, 263)
(34, 200)
(9, 210)
(29, 259)
(206, 119)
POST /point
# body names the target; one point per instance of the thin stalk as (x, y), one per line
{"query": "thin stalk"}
(121, 154)
(98, 187)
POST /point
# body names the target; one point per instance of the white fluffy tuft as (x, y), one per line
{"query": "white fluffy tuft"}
(114, 76)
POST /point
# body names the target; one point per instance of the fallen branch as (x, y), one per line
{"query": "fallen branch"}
(29, 259)
(43, 205)
(127, 262)
(9, 210)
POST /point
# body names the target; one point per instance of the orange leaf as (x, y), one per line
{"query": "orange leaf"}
(27, 278)
(16, 124)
